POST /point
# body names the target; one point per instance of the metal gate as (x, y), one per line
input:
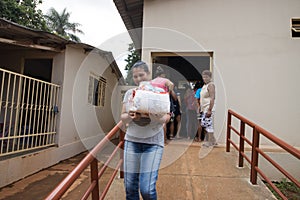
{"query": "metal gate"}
(27, 113)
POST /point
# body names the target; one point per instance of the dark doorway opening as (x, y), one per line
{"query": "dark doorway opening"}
(180, 69)
(38, 68)
(184, 70)
(37, 93)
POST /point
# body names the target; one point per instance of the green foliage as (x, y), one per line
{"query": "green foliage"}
(24, 13)
(289, 189)
(59, 24)
(132, 58)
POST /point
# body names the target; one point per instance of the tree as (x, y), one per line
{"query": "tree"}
(24, 13)
(59, 24)
(132, 58)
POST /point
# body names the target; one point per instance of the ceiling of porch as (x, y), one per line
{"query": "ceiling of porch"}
(131, 12)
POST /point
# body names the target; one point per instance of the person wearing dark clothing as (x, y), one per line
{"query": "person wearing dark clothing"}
(175, 122)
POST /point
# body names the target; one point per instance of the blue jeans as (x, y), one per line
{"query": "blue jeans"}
(141, 165)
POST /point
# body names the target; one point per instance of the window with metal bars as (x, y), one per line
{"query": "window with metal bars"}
(295, 27)
(96, 95)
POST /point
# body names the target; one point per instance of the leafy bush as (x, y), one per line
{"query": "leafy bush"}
(289, 189)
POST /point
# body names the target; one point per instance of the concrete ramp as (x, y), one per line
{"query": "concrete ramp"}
(214, 176)
(188, 173)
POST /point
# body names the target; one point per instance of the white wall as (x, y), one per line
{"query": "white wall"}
(80, 126)
(255, 57)
(80, 120)
(256, 62)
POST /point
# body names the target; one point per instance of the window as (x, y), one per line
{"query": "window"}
(96, 94)
(295, 27)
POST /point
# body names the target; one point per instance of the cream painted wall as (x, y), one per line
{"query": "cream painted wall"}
(67, 130)
(80, 120)
(105, 115)
(256, 62)
(78, 129)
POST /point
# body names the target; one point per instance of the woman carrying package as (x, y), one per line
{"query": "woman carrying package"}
(144, 143)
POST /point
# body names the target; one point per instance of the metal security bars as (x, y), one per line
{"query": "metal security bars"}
(27, 113)
(97, 85)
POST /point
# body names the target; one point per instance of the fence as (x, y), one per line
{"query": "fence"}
(90, 159)
(256, 150)
(28, 110)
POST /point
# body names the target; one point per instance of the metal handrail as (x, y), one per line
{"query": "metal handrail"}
(90, 159)
(256, 151)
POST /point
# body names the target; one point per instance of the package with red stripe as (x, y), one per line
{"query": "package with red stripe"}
(149, 99)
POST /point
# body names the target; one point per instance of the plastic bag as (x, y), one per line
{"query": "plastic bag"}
(150, 99)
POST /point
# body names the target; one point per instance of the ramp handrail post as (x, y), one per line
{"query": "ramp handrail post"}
(94, 177)
(242, 144)
(254, 157)
(228, 131)
(121, 138)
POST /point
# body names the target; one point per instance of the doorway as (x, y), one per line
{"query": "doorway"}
(40, 96)
(38, 68)
(182, 67)
(184, 70)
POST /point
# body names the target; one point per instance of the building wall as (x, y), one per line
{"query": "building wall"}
(256, 64)
(80, 120)
(255, 57)
(79, 126)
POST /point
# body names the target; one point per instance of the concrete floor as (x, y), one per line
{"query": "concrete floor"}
(186, 173)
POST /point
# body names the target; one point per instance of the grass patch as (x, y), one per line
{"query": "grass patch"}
(289, 189)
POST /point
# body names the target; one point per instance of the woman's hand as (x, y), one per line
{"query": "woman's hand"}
(208, 114)
(160, 118)
(139, 119)
(134, 115)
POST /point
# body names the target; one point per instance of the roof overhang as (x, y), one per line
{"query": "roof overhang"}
(17, 35)
(131, 12)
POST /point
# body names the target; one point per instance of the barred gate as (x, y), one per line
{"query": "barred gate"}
(27, 113)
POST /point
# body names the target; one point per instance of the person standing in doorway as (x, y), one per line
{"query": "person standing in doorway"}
(161, 81)
(168, 86)
(207, 108)
(198, 87)
(175, 124)
(191, 114)
(144, 143)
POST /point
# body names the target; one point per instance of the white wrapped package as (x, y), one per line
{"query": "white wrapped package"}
(150, 102)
